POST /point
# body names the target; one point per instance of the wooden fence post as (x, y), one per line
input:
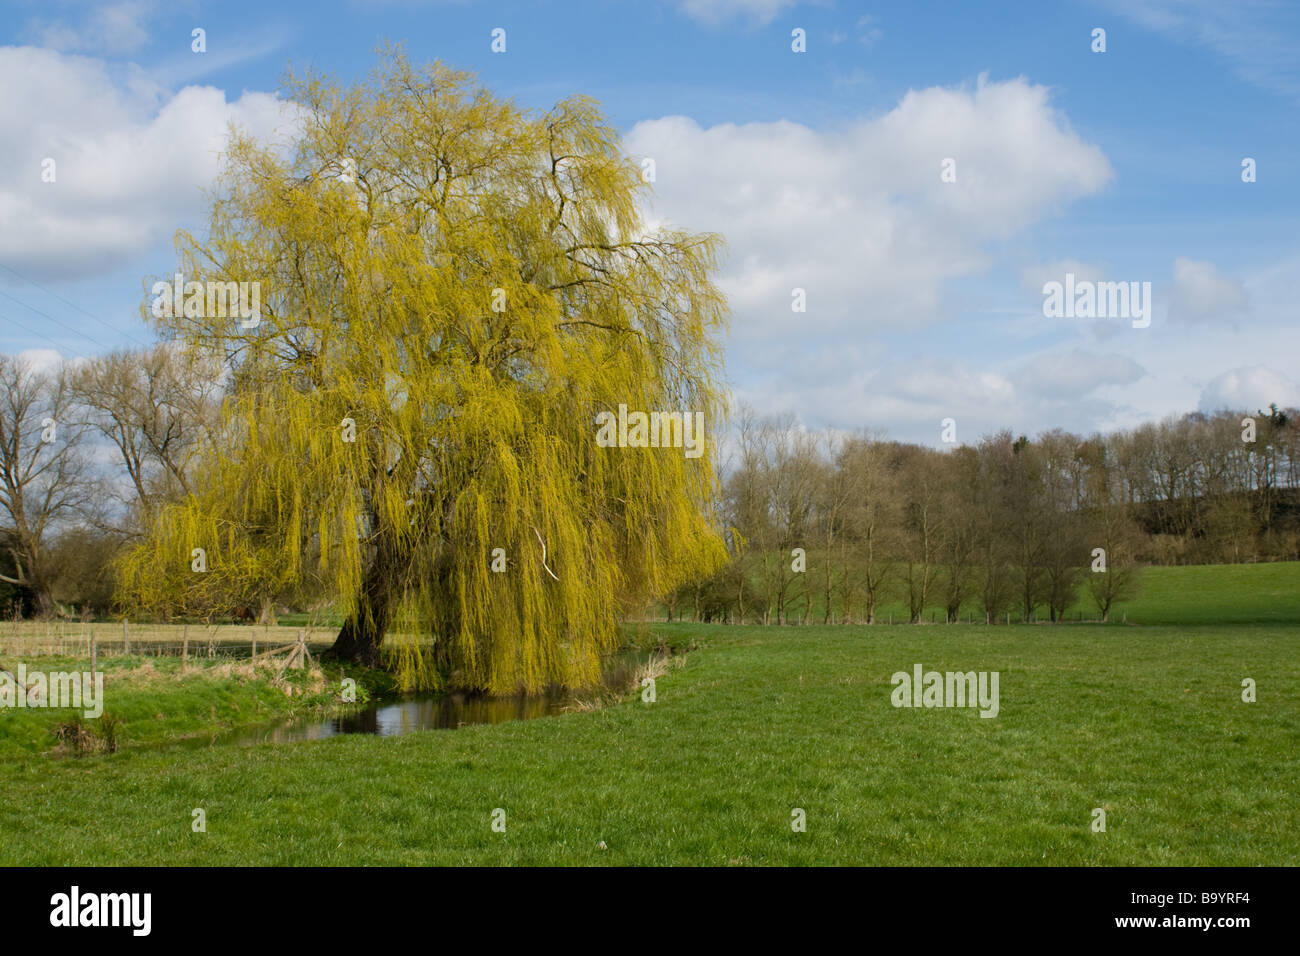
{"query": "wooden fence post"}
(126, 636)
(185, 648)
(94, 652)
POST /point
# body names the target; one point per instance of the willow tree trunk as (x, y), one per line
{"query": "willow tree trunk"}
(362, 634)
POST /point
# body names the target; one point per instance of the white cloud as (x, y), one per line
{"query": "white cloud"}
(1199, 293)
(186, 67)
(131, 159)
(858, 217)
(1250, 388)
(1253, 36)
(715, 12)
(1075, 373)
(908, 394)
(1033, 277)
(868, 32)
(854, 77)
(108, 28)
(906, 398)
(43, 360)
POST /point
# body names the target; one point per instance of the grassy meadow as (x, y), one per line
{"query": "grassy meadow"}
(1188, 594)
(1145, 720)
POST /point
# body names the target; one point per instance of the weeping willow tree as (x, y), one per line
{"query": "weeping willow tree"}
(452, 289)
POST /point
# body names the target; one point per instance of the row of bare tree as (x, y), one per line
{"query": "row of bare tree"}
(825, 527)
(88, 452)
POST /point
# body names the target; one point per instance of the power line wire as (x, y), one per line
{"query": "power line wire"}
(62, 325)
(39, 335)
(73, 305)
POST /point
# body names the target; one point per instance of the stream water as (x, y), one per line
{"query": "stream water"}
(388, 718)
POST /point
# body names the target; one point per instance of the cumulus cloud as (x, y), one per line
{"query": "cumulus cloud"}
(858, 217)
(1251, 388)
(1200, 293)
(131, 159)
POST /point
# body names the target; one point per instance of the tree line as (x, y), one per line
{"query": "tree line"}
(824, 527)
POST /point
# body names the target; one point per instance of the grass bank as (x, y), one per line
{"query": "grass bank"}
(154, 700)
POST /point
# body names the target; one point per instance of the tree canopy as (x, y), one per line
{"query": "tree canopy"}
(452, 289)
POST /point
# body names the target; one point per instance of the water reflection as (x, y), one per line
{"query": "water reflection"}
(425, 712)
(443, 712)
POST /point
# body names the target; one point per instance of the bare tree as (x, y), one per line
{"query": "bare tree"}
(873, 521)
(836, 489)
(992, 504)
(1118, 576)
(160, 409)
(1028, 513)
(43, 483)
(959, 552)
(1063, 463)
(920, 474)
(790, 488)
(750, 533)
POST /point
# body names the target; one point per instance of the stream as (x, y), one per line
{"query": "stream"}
(393, 716)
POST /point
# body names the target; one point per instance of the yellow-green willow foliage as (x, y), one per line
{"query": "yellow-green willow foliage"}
(470, 284)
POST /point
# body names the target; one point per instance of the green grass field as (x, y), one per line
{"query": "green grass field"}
(1194, 594)
(1146, 721)
(1218, 594)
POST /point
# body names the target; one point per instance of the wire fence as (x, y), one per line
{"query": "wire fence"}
(115, 639)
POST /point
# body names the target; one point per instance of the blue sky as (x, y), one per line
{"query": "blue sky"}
(822, 169)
